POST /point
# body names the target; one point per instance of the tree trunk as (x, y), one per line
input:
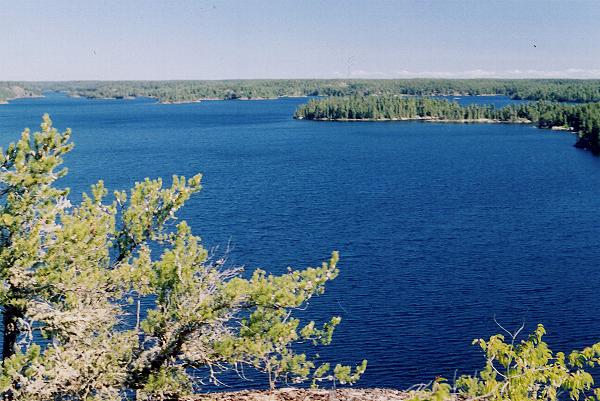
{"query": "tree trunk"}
(137, 378)
(10, 317)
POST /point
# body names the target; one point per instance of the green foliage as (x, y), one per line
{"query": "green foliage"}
(72, 274)
(583, 118)
(561, 90)
(523, 371)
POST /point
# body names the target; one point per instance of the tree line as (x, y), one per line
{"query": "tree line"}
(561, 90)
(12, 90)
(582, 118)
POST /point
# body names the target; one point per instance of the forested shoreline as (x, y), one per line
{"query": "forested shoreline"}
(581, 118)
(556, 90)
(15, 90)
(364, 99)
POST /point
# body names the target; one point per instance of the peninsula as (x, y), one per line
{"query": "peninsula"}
(581, 118)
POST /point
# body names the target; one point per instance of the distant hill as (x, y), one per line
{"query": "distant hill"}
(553, 90)
(15, 90)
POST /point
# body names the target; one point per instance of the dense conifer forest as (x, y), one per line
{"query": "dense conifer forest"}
(561, 90)
(181, 91)
(582, 118)
(367, 99)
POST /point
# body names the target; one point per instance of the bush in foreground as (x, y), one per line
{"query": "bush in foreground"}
(73, 276)
(521, 371)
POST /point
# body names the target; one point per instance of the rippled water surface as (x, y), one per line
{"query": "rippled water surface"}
(441, 227)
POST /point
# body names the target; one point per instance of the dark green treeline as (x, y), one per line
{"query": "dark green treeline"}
(582, 118)
(560, 90)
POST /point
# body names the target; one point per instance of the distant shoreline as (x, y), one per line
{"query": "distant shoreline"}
(438, 120)
(217, 99)
(200, 100)
(260, 98)
(427, 119)
(8, 100)
(221, 99)
(167, 102)
(77, 96)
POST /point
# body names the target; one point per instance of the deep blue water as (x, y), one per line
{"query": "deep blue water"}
(441, 227)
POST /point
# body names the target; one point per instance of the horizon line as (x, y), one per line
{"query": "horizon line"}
(554, 78)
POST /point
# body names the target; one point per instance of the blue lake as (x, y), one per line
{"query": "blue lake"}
(441, 227)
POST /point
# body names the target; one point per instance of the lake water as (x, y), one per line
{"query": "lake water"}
(441, 227)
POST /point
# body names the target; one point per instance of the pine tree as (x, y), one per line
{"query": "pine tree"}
(73, 274)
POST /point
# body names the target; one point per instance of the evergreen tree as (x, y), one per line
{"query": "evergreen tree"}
(73, 274)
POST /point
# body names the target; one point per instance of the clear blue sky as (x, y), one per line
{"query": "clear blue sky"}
(162, 39)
